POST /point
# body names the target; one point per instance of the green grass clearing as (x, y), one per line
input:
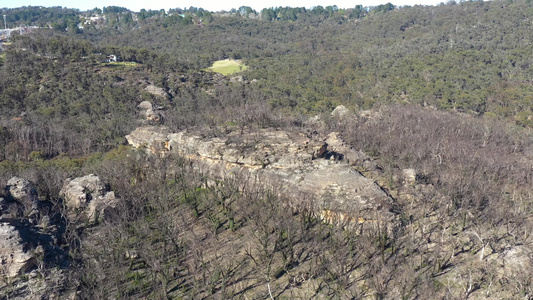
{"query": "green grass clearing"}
(227, 67)
(121, 63)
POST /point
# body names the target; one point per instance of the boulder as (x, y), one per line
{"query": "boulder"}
(21, 199)
(153, 117)
(148, 113)
(315, 124)
(156, 91)
(517, 259)
(13, 257)
(340, 112)
(371, 114)
(409, 176)
(22, 190)
(87, 198)
(236, 79)
(145, 105)
(80, 191)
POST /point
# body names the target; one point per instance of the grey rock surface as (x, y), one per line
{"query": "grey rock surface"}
(21, 199)
(309, 173)
(145, 105)
(13, 257)
(149, 113)
(22, 190)
(156, 91)
(87, 197)
(153, 139)
(340, 112)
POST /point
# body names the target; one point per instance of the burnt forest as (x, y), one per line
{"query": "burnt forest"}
(379, 152)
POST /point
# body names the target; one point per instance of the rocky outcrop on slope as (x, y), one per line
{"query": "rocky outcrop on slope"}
(20, 188)
(86, 198)
(152, 139)
(156, 91)
(31, 251)
(32, 236)
(309, 173)
(14, 258)
(28, 237)
(349, 155)
(149, 114)
(341, 112)
(22, 197)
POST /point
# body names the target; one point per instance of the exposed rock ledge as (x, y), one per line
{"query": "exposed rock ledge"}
(315, 174)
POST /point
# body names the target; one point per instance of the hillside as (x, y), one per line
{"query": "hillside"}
(364, 153)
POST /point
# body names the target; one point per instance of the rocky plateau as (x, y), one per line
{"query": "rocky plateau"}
(310, 173)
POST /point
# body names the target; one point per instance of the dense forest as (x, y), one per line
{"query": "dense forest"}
(445, 90)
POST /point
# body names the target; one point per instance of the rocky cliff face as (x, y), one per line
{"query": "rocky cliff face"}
(32, 235)
(310, 173)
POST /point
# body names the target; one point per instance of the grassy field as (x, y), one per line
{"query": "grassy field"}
(227, 67)
(122, 63)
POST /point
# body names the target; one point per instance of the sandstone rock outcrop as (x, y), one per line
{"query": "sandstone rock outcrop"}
(148, 113)
(21, 199)
(306, 172)
(30, 251)
(156, 91)
(25, 247)
(153, 139)
(30, 231)
(14, 258)
(145, 105)
(236, 79)
(340, 112)
(336, 146)
(409, 176)
(517, 259)
(21, 188)
(86, 197)
(23, 191)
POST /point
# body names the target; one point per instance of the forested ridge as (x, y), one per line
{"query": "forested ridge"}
(443, 91)
(450, 56)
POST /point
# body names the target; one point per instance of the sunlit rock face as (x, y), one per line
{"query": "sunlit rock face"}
(87, 199)
(14, 259)
(310, 173)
